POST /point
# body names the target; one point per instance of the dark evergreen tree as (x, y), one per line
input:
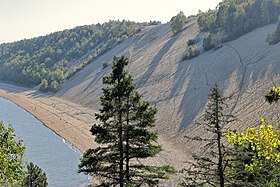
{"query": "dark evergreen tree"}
(124, 135)
(35, 177)
(210, 168)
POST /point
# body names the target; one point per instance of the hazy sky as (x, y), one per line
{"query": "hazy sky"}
(29, 18)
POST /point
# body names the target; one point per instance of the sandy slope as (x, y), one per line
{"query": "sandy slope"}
(245, 67)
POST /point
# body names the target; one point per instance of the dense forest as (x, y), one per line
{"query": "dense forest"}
(48, 60)
(230, 20)
(237, 17)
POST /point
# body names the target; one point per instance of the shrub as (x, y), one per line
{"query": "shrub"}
(44, 85)
(105, 65)
(178, 22)
(191, 42)
(274, 38)
(208, 42)
(54, 86)
(191, 52)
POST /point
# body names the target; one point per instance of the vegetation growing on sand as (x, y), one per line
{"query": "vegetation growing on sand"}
(124, 134)
(191, 52)
(178, 22)
(211, 167)
(274, 37)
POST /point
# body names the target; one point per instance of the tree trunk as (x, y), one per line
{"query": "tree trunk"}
(127, 141)
(220, 156)
(220, 163)
(120, 134)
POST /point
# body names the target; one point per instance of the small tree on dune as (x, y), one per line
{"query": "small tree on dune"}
(210, 168)
(124, 135)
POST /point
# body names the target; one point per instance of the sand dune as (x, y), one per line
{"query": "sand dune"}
(246, 67)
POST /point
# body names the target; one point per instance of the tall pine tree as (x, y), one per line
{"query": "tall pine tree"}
(210, 168)
(124, 136)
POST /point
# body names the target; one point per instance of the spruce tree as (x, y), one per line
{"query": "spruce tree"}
(35, 177)
(210, 168)
(124, 136)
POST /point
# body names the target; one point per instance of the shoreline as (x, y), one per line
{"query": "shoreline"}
(74, 129)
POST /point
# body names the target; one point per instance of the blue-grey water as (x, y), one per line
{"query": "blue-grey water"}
(44, 148)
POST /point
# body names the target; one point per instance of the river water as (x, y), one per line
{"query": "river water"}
(58, 159)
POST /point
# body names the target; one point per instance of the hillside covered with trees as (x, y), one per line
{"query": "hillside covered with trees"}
(237, 17)
(230, 20)
(49, 59)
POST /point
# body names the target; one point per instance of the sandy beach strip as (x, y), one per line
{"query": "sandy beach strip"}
(70, 121)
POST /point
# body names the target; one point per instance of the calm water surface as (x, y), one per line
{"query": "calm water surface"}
(56, 157)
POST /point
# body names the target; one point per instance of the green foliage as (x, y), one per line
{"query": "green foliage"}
(208, 42)
(11, 157)
(44, 85)
(35, 177)
(237, 17)
(206, 21)
(178, 22)
(256, 156)
(211, 167)
(54, 86)
(274, 38)
(191, 52)
(30, 61)
(273, 95)
(264, 142)
(191, 42)
(123, 131)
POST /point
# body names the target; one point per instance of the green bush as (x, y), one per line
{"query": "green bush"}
(178, 22)
(208, 42)
(54, 86)
(191, 52)
(274, 38)
(105, 65)
(191, 42)
(44, 86)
